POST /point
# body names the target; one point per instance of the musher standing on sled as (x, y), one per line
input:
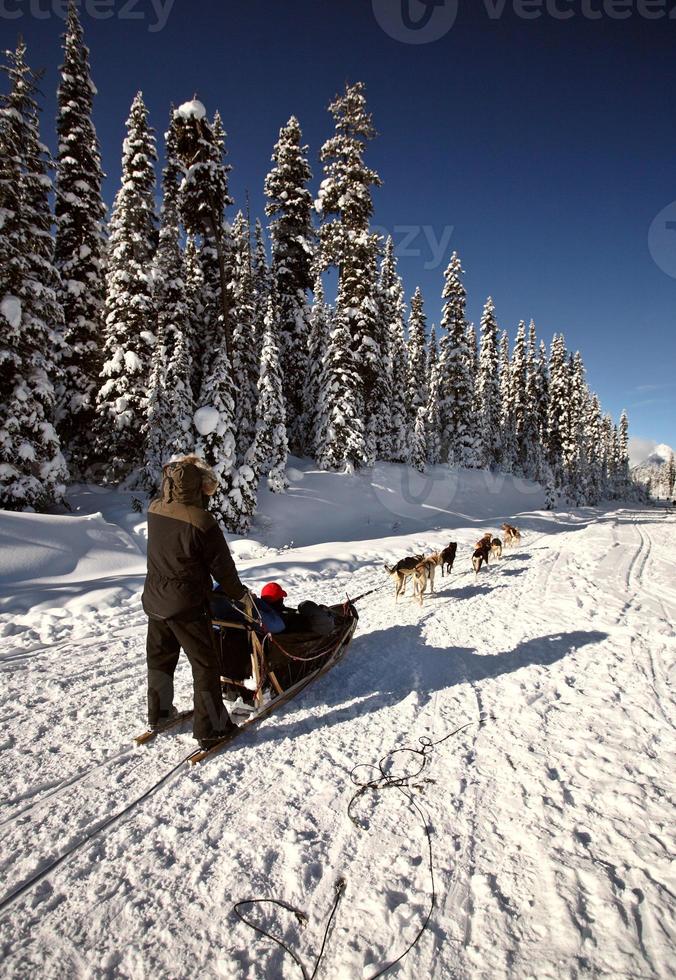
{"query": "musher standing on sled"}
(186, 548)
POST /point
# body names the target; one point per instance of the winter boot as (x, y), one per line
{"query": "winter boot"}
(208, 743)
(164, 719)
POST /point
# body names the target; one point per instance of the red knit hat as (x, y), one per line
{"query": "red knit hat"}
(273, 591)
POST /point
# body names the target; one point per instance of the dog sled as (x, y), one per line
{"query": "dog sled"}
(261, 669)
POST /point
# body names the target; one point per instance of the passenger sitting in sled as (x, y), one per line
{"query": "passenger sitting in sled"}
(308, 618)
(276, 617)
(271, 620)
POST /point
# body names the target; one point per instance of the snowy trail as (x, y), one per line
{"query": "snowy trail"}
(551, 818)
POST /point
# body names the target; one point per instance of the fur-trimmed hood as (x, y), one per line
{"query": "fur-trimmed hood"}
(183, 481)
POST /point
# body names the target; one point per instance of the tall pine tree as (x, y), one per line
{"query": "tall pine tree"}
(245, 339)
(417, 357)
(129, 309)
(293, 241)
(556, 406)
(170, 405)
(519, 399)
(507, 450)
(215, 424)
(394, 445)
(346, 207)
(454, 366)
(203, 198)
(343, 429)
(488, 389)
(79, 250)
(535, 414)
(32, 468)
(316, 383)
(272, 447)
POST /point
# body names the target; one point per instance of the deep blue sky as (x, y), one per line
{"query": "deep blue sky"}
(548, 146)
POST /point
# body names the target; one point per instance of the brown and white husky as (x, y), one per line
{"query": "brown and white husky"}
(424, 573)
(401, 572)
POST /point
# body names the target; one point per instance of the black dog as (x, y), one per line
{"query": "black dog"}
(448, 557)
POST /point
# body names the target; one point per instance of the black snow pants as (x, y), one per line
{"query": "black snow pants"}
(165, 639)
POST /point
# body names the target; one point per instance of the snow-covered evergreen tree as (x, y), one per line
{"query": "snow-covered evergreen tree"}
(556, 406)
(543, 391)
(194, 293)
(472, 357)
(290, 208)
(608, 456)
(472, 437)
(519, 408)
(215, 424)
(572, 449)
(315, 410)
(32, 468)
(343, 444)
(593, 440)
(507, 453)
(358, 285)
(670, 476)
(262, 278)
(170, 405)
(79, 249)
(432, 355)
(573, 444)
(551, 493)
(156, 423)
(623, 453)
(488, 389)
(170, 293)
(458, 444)
(346, 207)
(203, 198)
(535, 410)
(434, 428)
(129, 312)
(245, 340)
(394, 445)
(418, 458)
(272, 447)
(417, 357)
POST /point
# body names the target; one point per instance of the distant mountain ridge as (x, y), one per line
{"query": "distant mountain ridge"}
(651, 465)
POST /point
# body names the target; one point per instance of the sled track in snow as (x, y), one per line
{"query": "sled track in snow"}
(61, 787)
(90, 835)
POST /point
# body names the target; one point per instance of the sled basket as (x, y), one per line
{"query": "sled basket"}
(264, 666)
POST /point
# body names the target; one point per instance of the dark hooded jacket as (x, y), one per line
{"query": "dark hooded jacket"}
(186, 548)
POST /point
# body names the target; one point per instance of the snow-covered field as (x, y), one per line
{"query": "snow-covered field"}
(550, 813)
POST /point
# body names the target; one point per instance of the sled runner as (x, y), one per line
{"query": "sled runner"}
(149, 735)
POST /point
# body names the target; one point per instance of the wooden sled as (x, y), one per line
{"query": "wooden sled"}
(265, 667)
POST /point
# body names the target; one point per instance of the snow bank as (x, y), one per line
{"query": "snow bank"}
(389, 499)
(49, 559)
(191, 110)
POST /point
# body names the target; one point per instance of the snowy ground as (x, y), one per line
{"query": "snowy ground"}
(551, 818)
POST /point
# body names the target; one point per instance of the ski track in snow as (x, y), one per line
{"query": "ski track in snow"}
(551, 818)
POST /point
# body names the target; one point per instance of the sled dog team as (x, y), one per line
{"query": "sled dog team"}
(421, 568)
